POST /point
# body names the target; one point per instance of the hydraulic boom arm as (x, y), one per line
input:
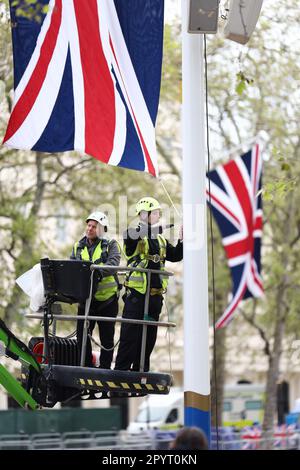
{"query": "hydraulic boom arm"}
(14, 348)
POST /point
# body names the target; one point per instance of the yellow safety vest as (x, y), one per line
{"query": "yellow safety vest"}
(140, 258)
(108, 286)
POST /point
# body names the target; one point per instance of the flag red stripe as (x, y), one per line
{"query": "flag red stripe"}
(258, 223)
(241, 191)
(32, 89)
(223, 321)
(239, 248)
(99, 94)
(151, 168)
(256, 279)
(211, 196)
(255, 169)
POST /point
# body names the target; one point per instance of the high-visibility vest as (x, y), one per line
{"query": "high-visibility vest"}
(140, 258)
(108, 285)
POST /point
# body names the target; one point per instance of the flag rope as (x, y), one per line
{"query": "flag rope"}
(169, 197)
(215, 352)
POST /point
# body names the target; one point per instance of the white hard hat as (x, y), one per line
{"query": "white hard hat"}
(99, 217)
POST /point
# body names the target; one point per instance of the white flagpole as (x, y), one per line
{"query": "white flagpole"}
(195, 292)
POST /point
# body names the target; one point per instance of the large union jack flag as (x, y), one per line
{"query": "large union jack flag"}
(235, 201)
(87, 77)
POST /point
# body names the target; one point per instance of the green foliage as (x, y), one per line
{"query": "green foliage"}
(278, 189)
(171, 70)
(242, 82)
(30, 9)
(250, 89)
(39, 190)
(239, 108)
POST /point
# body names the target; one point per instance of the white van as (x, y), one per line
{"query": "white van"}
(243, 405)
(160, 412)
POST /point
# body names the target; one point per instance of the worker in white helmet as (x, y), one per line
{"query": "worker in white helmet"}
(96, 247)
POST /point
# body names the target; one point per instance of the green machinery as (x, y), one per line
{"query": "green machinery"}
(15, 349)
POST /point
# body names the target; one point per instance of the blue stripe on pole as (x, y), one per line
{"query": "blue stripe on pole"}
(198, 418)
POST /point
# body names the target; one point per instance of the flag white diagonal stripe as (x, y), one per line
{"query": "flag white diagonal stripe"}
(35, 122)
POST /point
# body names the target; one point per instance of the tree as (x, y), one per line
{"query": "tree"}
(39, 190)
(251, 88)
(268, 100)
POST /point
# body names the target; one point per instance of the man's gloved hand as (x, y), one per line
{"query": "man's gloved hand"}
(158, 229)
(143, 230)
(155, 230)
(181, 233)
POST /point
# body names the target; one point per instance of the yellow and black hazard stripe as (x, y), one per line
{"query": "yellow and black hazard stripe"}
(123, 386)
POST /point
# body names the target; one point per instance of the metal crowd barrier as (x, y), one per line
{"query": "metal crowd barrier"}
(122, 440)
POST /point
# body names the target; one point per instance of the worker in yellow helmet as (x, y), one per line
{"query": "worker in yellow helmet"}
(96, 247)
(145, 246)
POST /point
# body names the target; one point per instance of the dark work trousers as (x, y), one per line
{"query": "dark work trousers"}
(128, 356)
(106, 331)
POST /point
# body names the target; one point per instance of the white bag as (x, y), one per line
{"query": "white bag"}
(31, 282)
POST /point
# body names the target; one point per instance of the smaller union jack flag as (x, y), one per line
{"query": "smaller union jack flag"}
(235, 201)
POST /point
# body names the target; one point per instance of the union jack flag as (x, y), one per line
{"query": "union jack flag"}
(87, 78)
(235, 201)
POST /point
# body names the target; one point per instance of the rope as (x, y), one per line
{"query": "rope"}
(212, 245)
(71, 335)
(169, 338)
(102, 347)
(169, 197)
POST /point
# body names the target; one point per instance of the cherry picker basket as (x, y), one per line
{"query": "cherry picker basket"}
(66, 280)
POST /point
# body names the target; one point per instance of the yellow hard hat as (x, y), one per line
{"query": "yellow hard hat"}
(147, 204)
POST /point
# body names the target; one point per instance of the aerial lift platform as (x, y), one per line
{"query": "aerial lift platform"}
(52, 368)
